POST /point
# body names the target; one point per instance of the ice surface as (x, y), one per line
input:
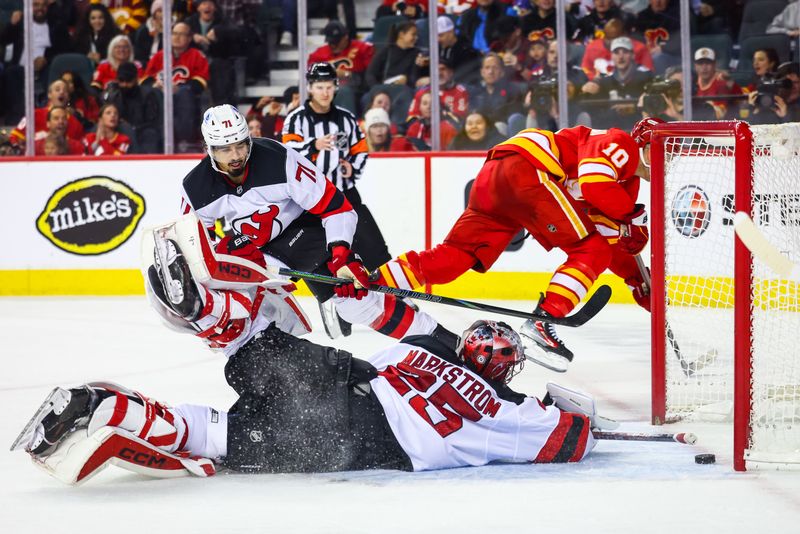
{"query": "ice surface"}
(622, 487)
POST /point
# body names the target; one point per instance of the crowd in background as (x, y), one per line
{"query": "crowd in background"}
(497, 68)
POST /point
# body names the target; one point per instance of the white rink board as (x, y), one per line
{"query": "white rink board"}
(393, 188)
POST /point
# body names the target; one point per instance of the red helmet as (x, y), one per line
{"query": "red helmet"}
(493, 350)
(642, 131)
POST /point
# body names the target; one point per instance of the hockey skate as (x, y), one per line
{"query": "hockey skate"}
(61, 413)
(334, 325)
(542, 344)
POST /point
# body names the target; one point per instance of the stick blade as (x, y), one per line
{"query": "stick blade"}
(761, 248)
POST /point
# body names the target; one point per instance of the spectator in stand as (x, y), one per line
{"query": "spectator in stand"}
(626, 83)
(120, 51)
(592, 26)
(350, 58)
(519, 8)
(94, 32)
(710, 17)
(543, 19)
(50, 38)
(779, 103)
(420, 132)
(787, 21)
(139, 108)
(220, 42)
(765, 61)
(510, 46)
(453, 96)
(81, 103)
(57, 96)
(272, 112)
(478, 133)
(400, 62)
(54, 145)
(660, 24)
(671, 106)
(128, 15)
(378, 132)
(254, 126)
(189, 81)
(711, 82)
(477, 24)
(413, 9)
(243, 15)
(494, 96)
(597, 56)
(56, 124)
(149, 38)
(381, 100)
(107, 140)
(536, 62)
(465, 59)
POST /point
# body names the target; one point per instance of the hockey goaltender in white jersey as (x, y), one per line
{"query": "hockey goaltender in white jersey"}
(416, 405)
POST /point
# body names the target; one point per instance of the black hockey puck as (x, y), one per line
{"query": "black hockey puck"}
(705, 459)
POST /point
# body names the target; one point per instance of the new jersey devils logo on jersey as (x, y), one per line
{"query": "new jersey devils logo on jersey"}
(258, 227)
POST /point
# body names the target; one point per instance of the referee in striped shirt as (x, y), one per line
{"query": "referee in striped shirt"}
(330, 137)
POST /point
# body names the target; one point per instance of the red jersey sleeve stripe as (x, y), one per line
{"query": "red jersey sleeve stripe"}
(331, 203)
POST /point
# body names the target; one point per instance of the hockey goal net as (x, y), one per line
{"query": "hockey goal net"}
(724, 327)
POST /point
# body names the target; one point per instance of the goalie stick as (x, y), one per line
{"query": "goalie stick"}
(686, 438)
(759, 245)
(591, 308)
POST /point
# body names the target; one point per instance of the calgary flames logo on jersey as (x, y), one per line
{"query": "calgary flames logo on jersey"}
(259, 227)
(656, 37)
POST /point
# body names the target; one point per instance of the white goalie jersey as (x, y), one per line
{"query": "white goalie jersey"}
(444, 415)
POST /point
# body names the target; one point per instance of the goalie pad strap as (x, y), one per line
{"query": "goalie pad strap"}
(120, 409)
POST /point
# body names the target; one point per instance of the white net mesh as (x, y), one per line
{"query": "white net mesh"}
(699, 281)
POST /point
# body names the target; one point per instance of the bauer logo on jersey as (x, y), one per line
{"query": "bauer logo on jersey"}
(91, 216)
(691, 211)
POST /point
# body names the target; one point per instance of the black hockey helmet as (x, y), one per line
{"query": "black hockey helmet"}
(492, 349)
(322, 72)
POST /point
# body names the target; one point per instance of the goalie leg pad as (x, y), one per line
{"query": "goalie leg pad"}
(569, 400)
(81, 456)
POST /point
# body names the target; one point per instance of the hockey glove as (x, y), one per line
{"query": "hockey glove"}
(633, 234)
(242, 247)
(640, 291)
(347, 264)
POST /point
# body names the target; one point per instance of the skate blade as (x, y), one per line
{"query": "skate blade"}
(548, 360)
(23, 440)
(329, 319)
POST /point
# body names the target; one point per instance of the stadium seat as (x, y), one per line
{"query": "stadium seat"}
(77, 63)
(380, 34)
(780, 42)
(720, 43)
(757, 16)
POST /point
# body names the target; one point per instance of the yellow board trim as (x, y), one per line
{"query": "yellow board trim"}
(682, 291)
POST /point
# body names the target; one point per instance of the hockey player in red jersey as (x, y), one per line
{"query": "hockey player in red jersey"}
(417, 405)
(575, 190)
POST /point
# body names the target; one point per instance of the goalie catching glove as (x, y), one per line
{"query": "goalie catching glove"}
(568, 400)
(347, 264)
(633, 234)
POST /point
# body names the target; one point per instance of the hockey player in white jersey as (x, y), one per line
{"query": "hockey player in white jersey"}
(417, 405)
(286, 209)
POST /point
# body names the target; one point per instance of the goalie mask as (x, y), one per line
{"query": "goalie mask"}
(222, 126)
(493, 350)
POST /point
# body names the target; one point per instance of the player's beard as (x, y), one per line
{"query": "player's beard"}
(236, 172)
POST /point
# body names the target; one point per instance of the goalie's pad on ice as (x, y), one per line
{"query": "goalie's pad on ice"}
(80, 456)
(569, 400)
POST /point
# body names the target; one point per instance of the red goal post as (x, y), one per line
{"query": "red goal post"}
(717, 317)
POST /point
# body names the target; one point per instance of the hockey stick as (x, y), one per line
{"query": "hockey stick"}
(762, 249)
(596, 303)
(686, 438)
(687, 370)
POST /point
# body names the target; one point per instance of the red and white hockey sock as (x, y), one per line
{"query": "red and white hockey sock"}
(386, 314)
(566, 289)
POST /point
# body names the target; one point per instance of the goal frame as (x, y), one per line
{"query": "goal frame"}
(743, 170)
